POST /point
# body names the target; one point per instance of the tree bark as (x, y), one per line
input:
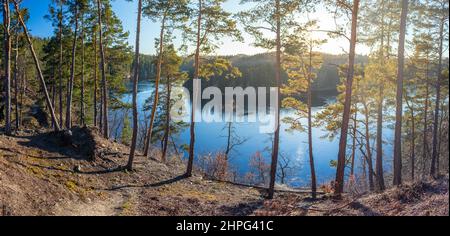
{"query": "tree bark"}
(7, 64)
(94, 36)
(310, 143)
(82, 114)
(135, 88)
(104, 81)
(276, 142)
(399, 113)
(355, 124)
(16, 81)
(157, 80)
(167, 128)
(340, 173)
(425, 121)
(379, 159)
(196, 76)
(60, 35)
(72, 73)
(413, 145)
(434, 155)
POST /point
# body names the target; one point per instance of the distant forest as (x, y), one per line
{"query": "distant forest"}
(258, 71)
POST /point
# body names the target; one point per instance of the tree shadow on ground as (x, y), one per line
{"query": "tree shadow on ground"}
(152, 185)
(80, 147)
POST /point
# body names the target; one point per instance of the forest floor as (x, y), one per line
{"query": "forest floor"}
(39, 175)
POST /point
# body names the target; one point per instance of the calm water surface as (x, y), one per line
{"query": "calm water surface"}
(212, 138)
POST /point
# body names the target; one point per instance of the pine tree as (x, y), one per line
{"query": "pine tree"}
(301, 64)
(399, 98)
(171, 14)
(212, 22)
(7, 62)
(347, 104)
(135, 87)
(278, 14)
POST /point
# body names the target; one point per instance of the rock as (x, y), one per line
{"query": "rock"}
(77, 168)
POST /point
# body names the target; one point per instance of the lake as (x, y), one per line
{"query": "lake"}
(212, 138)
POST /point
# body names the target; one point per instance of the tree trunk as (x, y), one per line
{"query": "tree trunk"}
(368, 148)
(355, 124)
(38, 67)
(276, 142)
(340, 173)
(399, 113)
(104, 81)
(60, 35)
(167, 128)
(413, 145)
(158, 78)
(196, 76)
(310, 143)
(82, 115)
(22, 92)
(434, 155)
(425, 122)
(72, 74)
(16, 81)
(94, 36)
(135, 88)
(53, 92)
(7, 63)
(379, 158)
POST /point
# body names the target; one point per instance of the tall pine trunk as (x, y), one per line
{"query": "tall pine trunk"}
(399, 97)
(379, 158)
(156, 95)
(276, 141)
(340, 173)
(425, 121)
(82, 113)
(355, 128)
(16, 81)
(413, 145)
(72, 73)
(167, 126)
(135, 88)
(368, 148)
(435, 154)
(60, 35)
(94, 37)
(196, 76)
(7, 63)
(104, 81)
(310, 143)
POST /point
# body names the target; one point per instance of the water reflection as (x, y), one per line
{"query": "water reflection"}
(212, 138)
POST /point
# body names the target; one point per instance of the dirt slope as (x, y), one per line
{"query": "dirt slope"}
(39, 175)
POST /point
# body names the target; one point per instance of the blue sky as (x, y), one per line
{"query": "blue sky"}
(126, 11)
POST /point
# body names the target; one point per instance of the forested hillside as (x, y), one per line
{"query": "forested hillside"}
(257, 71)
